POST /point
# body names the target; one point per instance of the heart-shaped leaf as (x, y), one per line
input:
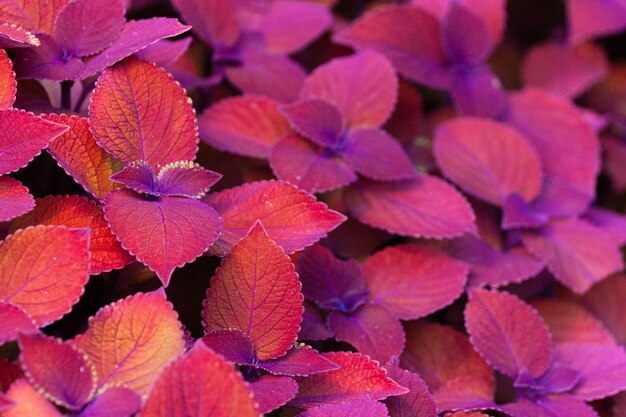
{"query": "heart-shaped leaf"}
(175, 230)
(132, 340)
(43, 270)
(58, 369)
(508, 333)
(292, 218)
(267, 302)
(138, 112)
(200, 384)
(79, 212)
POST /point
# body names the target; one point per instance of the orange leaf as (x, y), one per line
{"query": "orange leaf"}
(43, 270)
(256, 290)
(200, 384)
(79, 212)
(132, 340)
(8, 85)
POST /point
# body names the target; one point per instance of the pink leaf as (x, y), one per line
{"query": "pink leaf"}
(185, 179)
(316, 119)
(58, 369)
(14, 321)
(127, 124)
(363, 86)
(591, 18)
(8, 85)
(12, 36)
(372, 330)
(165, 52)
(23, 137)
(214, 21)
(177, 229)
(417, 402)
(424, 207)
(114, 402)
(272, 392)
(605, 301)
(14, 199)
(301, 360)
(466, 35)
(508, 333)
(413, 281)
(610, 222)
(577, 253)
(477, 92)
(28, 402)
(359, 378)
(291, 217)
(267, 305)
(245, 125)
(464, 392)
(357, 408)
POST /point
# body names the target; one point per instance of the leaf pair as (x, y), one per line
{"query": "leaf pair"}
(398, 283)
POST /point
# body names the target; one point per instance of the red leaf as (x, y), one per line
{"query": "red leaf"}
(271, 391)
(417, 402)
(79, 212)
(214, 21)
(301, 360)
(58, 369)
(12, 36)
(200, 384)
(413, 281)
(291, 217)
(23, 136)
(175, 230)
(43, 270)
(28, 402)
(138, 112)
(14, 320)
(464, 392)
(577, 253)
(245, 125)
(256, 290)
(8, 85)
(424, 207)
(77, 152)
(14, 199)
(488, 159)
(372, 330)
(132, 340)
(508, 333)
(359, 378)
(363, 86)
(440, 354)
(358, 408)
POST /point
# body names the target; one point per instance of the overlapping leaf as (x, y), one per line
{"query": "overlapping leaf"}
(417, 402)
(357, 408)
(8, 85)
(28, 402)
(273, 391)
(14, 199)
(13, 321)
(257, 291)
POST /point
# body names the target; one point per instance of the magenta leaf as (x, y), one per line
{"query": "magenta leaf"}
(13, 321)
(411, 208)
(316, 119)
(272, 391)
(373, 153)
(517, 213)
(605, 301)
(417, 402)
(82, 28)
(610, 222)
(14, 199)
(291, 217)
(330, 282)
(313, 326)
(165, 52)
(310, 166)
(12, 36)
(364, 87)
(233, 344)
(23, 136)
(372, 329)
(114, 402)
(555, 405)
(368, 408)
(413, 281)
(588, 18)
(477, 92)
(138, 176)
(577, 253)
(301, 360)
(185, 179)
(466, 36)
(214, 21)
(508, 333)
(174, 230)
(464, 392)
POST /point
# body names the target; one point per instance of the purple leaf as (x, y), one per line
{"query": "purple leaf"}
(14, 199)
(316, 119)
(12, 36)
(46, 62)
(610, 222)
(508, 333)
(477, 92)
(488, 159)
(271, 391)
(555, 405)
(577, 253)
(313, 326)
(392, 31)
(423, 207)
(330, 282)
(83, 28)
(214, 21)
(114, 402)
(417, 402)
(233, 344)
(373, 153)
(557, 379)
(274, 76)
(517, 213)
(363, 86)
(367, 408)
(309, 166)
(165, 52)
(372, 330)
(138, 176)
(185, 179)
(300, 360)
(175, 230)
(464, 392)
(466, 36)
(413, 280)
